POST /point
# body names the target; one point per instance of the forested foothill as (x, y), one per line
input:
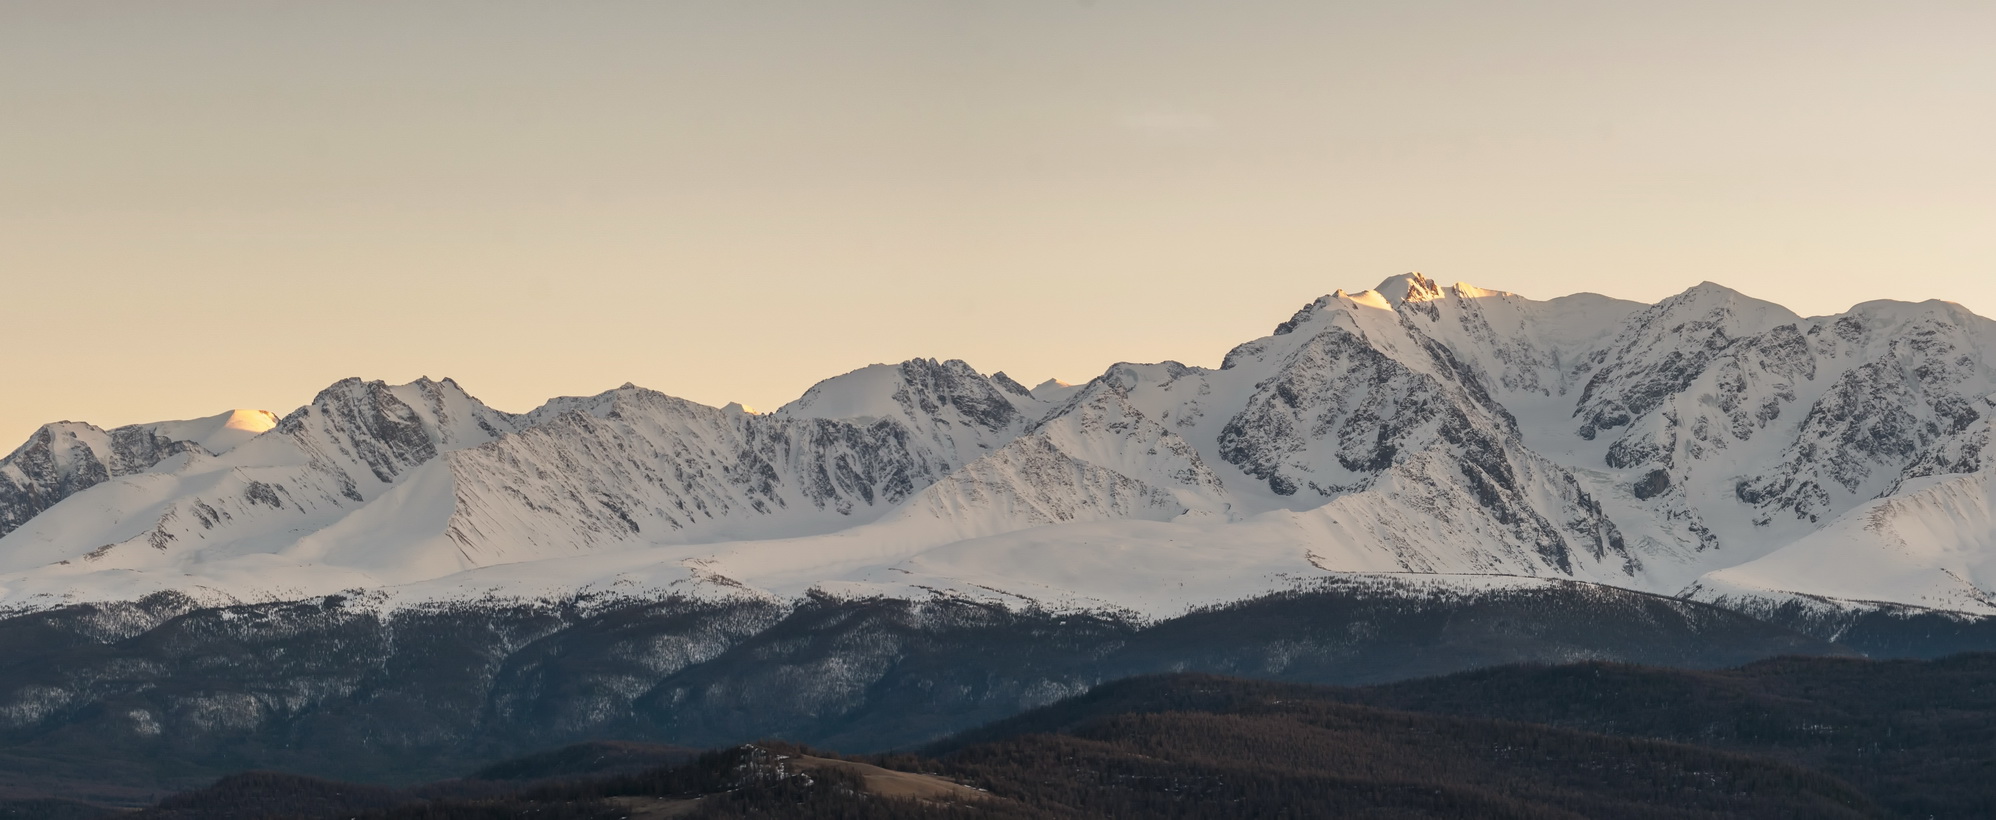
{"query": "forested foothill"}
(1787, 738)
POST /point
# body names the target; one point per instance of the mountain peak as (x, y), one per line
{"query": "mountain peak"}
(1009, 384)
(1712, 296)
(219, 433)
(1712, 291)
(1409, 287)
(1713, 288)
(865, 393)
(252, 421)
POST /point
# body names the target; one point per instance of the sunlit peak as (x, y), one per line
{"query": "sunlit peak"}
(250, 421)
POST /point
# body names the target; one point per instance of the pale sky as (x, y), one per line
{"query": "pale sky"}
(207, 205)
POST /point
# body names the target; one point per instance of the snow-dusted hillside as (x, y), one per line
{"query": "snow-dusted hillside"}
(1710, 445)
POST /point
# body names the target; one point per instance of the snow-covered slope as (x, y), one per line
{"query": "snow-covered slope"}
(1711, 444)
(1933, 546)
(225, 524)
(67, 457)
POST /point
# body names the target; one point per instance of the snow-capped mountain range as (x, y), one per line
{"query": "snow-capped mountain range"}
(1710, 446)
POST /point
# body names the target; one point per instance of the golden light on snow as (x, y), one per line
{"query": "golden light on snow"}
(252, 421)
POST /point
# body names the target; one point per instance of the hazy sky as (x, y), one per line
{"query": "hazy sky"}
(207, 205)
